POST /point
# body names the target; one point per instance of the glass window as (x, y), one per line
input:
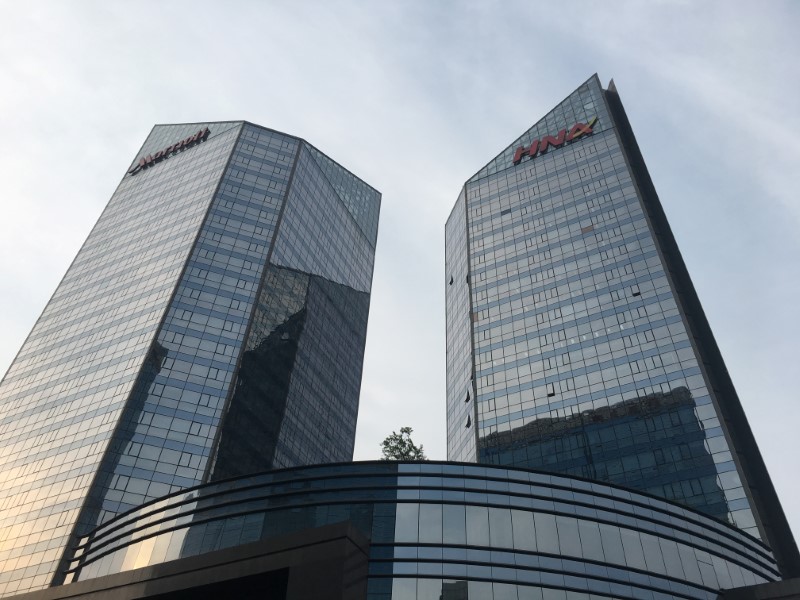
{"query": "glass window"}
(524, 534)
(708, 574)
(721, 569)
(430, 568)
(454, 524)
(632, 545)
(612, 544)
(672, 560)
(526, 592)
(568, 537)
(590, 540)
(406, 524)
(429, 589)
(453, 589)
(546, 533)
(430, 553)
(500, 528)
(689, 562)
(478, 590)
(405, 552)
(477, 525)
(505, 591)
(652, 554)
(553, 594)
(404, 589)
(404, 568)
(430, 523)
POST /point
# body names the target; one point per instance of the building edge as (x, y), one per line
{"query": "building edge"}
(86, 507)
(772, 519)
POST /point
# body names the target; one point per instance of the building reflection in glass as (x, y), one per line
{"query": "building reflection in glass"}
(647, 443)
(301, 369)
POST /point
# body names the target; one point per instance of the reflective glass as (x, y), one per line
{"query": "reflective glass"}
(500, 529)
(64, 394)
(566, 346)
(407, 526)
(477, 526)
(546, 533)
(213, 324)
(586, 553)
(460, 385)
(454, 524)
(523, 531)
(430, 523)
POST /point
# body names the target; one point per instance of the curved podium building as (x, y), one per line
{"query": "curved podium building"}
(415, 531)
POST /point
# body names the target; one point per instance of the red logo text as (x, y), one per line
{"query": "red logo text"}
(540, 146)
(151, 159)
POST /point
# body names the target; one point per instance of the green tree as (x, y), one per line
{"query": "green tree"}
(399, 446)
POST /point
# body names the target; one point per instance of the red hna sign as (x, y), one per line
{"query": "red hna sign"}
(564, 136)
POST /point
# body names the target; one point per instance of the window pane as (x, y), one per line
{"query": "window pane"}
(568, 537)
(652, 554)
(546, 533)
(430, 523)
(406, 525)
(479, 590)
(477, 527)
(529, 593)
(500, 528)
(590, 540)
(672, 560)
(689, 562)
(505, 591)
(454, 520)
(524, 534)
(634, 555)
(612, 544)
(429, 589)
(404, 589)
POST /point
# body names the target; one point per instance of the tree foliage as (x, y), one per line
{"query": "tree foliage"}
(399, 446)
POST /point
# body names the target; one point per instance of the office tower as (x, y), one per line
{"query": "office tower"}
(575, 340)
(213, 324)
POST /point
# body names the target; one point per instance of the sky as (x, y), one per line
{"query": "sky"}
(414, 97)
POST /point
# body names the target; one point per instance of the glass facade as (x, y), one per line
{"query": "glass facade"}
(450, 530)
(146, 365)
(460, 384)
(581, 357)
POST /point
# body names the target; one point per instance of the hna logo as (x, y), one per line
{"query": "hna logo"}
(151, 159)
(540, 146)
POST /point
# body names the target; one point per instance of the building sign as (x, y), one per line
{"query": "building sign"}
(151, 159)
(540, 146)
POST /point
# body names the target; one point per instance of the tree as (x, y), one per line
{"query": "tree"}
(399, 446)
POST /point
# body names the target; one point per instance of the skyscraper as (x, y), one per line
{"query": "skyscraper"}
(575, 340)
(213, 324)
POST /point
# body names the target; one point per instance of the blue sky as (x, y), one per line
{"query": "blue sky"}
(414, 97)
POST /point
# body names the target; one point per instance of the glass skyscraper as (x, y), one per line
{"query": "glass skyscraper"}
(575, 340)
(213, 324)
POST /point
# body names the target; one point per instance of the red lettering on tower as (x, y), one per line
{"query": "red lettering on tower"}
(150, 159)
(580, 129)
(549, 140)
(540, 146)
(523, 151)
